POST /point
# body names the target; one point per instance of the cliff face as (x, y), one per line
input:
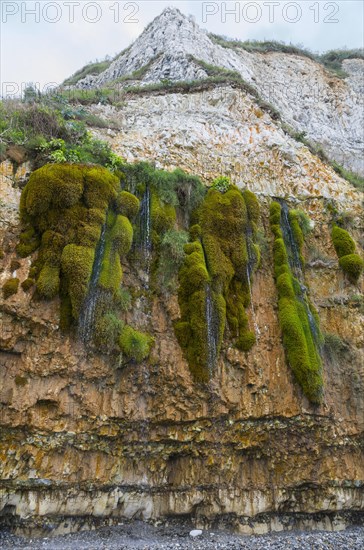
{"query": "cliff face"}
(86, 438)
(310, 98)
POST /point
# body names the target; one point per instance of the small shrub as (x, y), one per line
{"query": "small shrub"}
(134, 344)
(221, 184)
(10, 287)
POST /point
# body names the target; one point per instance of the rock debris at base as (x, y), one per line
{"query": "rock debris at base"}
(144, 537)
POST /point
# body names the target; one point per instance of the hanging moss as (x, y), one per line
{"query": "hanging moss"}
(121, 235)
(216, 259)
(134, 344)
(252, 205)
(342, 241)
(163, 215)
(352, 265)
(64, 207)
(27, 284)
(298, 340)
(10, 287)
(77, 262)
(127, 204)
(107, 331)
(48, 282)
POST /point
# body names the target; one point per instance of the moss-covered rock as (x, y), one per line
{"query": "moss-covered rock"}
(27, 284)
(127, 204)
(77, 262)
(352, 265)
(10, 287)
(298, 339)
(217, 260)
(134, 344)
(342, 241)
(350, 262)
(48, 282)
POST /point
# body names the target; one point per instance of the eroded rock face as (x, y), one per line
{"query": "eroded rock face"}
(85, 435)
(310, 98)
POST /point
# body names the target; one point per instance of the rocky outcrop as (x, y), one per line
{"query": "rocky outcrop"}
(310, 98)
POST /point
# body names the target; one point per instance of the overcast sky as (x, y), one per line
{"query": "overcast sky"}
(47, 41)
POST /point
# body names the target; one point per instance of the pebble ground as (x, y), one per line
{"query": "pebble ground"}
(141, 536)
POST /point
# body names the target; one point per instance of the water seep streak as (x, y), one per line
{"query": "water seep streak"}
(145, 232)
(87, 314)
(249, 271)
(295, 263)
(212, 336)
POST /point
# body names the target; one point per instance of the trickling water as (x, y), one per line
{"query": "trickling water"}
(290, 242)
(249, 271)
(87, 314)
(212, 331)
(295, 263)
(145, 233)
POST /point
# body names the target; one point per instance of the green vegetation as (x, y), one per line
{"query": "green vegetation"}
(10, 287)
(52, 130)
(127, 204)
(342, 241)
(170, 258)
(350, 262)
(352, 265)
(27, 284)
(217, 262)
(91, 69)
(331, 60)
(298, 339)
(335, 348)
(62, 209)
(134, 344)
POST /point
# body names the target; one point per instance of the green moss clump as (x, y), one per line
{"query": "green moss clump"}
(275, 211)
(127, 204)
(217, 260)
(100, 188)
(134, 344)
(64, 207)
(294, 221)
(29, 242)
(352, 265)
(298, 340)
(163, 215)
(246, 341)
(77, 262)
(252, 205)
(122, 235)
(107, 331)
(27, 284)
(342, 241)
(195, 232)
(10, 287)
(48, 282)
